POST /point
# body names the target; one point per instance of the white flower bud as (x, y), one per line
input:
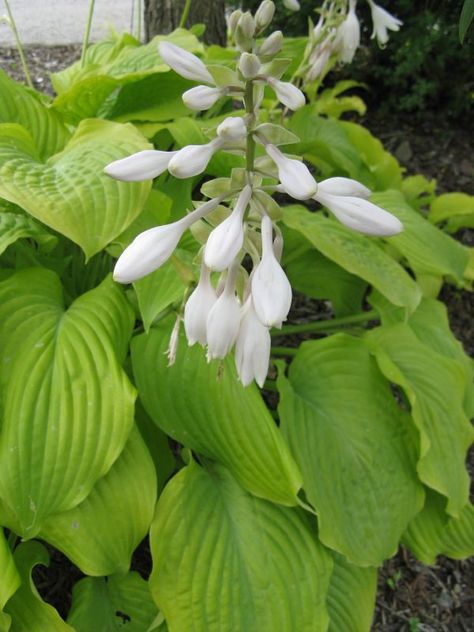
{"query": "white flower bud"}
(348, 35)
(193, 159)
(361, 215)
(292, 5)
(271, 290)
(293, 174)
(150, 249)
(197, 308)
(232, 128)
(247, 25)
(143, 165)
(344, 186)
(201, 97)
(287, 93)
(264, 14)
(184, 63)
(234, 20)
(223, 320)
(272, 45)
(226, 240)
(382, 21)
(319, 60)
(252, 347)
(249, 65)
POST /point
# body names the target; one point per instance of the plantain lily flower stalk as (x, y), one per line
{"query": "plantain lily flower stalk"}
(383, 21)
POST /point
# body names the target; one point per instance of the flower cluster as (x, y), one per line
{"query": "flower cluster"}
(242, 291)
(336, 36)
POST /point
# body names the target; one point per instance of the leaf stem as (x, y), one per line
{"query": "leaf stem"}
(249, 108)
(87, 33)
(327, 325)
(185, 14)
(19, 47)
(284, 351)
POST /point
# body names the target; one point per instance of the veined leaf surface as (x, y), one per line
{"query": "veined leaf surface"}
(9, 580)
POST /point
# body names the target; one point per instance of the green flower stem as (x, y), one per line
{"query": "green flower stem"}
(185, 14)
(284, 351)
(85, 42)
(19, 47)
(249, 108)
(326, 325)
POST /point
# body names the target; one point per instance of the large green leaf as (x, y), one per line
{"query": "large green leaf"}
(433, 533)
(67, 404)
(101, 533)
(435, 387)
(456, 209)
(353, 445)
(356, 253)
(21, 105)
(70, 192)
(14, 226)
(205, 407)
(427, 249)
(28, 611)
(108, 604)
(351, 596)
(225, 561)
(9, 580)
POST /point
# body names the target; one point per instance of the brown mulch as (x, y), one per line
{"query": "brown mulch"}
(411, 597)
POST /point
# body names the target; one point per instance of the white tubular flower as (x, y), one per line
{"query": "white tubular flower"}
(232, 128)
(287, 93)
(348, 36)
(184, 63)
(144, 165)
(252, 347)
(226, 240)
(223, 320)
(150, 249)
(202, 97)
(272, 45)
(383, 21)
(292, 5)
(197, 308)
(193, 159)
(361, 215)
(264, 14)
(271, 290)
(249, 65)
(293, 174)
(344, 186)
(247, 25)
(319, 60)
(234, 20)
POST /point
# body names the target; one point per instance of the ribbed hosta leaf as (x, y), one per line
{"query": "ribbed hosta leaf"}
(28, 611)
(435, 387)
(225, 561)
(9, 580)
(67, 404)
(356, 253)
(433, 532)
(354, 448)
(14, 226)
(21, 105)
(205, 407)
(351, 596)
(101, 533)
(70, 192)
(109, 604)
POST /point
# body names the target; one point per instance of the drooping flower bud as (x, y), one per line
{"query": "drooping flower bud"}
(234, 20)
(344, 186)
(143, 165)
(193, 159)
(287, 93)
(223, 320)
(197, 308)
(226, 240)
(348, 35)
(319, 60)
(271, 290)
(249, 65)
(382, 21)
(361, 215)
(293, 174)
(232, 128)
(264, 14)
(292, 5)
(272, 45)
(202, 97)
(150, 249)
(252, 347)
(184, 63)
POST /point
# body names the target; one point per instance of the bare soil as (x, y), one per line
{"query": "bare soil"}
(411, 597)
